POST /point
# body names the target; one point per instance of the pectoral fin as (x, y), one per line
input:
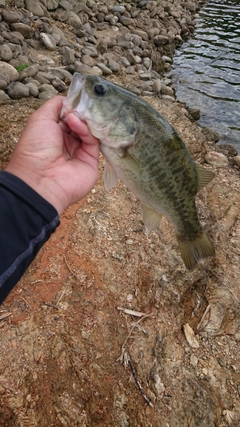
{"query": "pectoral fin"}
(110, 177)
(204, 176)
(151, 218)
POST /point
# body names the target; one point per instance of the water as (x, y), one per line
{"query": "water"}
(207, 69)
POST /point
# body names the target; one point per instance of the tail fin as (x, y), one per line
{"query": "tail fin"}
(193, 251)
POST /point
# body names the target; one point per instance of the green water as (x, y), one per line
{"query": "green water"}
(206, 69)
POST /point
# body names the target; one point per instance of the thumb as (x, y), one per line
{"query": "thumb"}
(50, 110)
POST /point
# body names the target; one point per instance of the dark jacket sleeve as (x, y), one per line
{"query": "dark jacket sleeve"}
(26, 222)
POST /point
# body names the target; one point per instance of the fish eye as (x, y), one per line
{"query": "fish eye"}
(99, 90)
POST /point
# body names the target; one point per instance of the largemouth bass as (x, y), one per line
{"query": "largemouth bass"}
(145, 152)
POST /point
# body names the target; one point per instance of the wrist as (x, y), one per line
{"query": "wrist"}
(44, 186)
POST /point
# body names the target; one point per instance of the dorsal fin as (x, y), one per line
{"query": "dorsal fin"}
(204, 176)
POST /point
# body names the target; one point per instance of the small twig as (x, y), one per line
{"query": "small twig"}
(49, 304)
(27, 303)
(3, 316)
(203, 318)
(69, 268)
(121, 357)
(131, 312)
(135, 376)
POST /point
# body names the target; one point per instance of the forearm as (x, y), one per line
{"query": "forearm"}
(26, 223)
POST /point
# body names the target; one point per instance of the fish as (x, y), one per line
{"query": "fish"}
(145, 152)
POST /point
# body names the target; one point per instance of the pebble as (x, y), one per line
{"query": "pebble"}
(216, 159)
(190, 336)
(48, 41)
(236, 161)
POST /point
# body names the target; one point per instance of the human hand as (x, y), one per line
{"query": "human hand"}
(59, 161)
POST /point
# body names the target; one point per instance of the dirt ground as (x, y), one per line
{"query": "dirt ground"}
(72, 354)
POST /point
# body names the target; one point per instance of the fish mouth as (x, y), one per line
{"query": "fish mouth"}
(77, 100)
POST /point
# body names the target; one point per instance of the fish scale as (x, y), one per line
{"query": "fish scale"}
(145, 152)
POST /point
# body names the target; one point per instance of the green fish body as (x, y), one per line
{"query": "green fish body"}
(145, 152)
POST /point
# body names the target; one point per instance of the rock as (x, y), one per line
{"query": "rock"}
(168, 98)
(157, 86)
(52, 5)
(45, 75)
(85, 69)
(216, 159)
(90, 50)
(227, 149)
(190, 6)
(23, 29)
(145, 76)
(124, 61)
(46, 92)
(195, 113)
(48, 41)
(160, 40)
(2, 3)
(59, 85)
(130, 57)
(74, 20)
(142, 34)
(32, 70)
(13, 37)
(190, 336)
(107, 71)
(7, 72)
(4, 98)
(34, 7)
(236, 161)
(56, 34)
(46, 95)
(62, 74)
(3, 84)
(166, 90)
(120, 9)
(88, 60)
(60, 15)
(68, 55)
(65, 5)
(112, 19)
(17, 90)
(113, 65)
(5, 53)
(11, 16)
(126, 21)
(33, 89)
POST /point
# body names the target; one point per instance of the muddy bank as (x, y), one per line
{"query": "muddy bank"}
(95, 332)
